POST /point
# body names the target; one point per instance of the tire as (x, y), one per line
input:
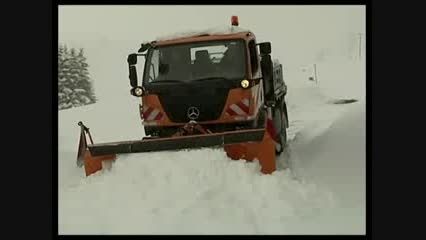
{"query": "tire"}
(281, 128)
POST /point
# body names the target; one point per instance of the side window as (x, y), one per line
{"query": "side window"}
(153, 65)
(253, 56)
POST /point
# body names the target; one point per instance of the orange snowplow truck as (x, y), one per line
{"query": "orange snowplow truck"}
(205, 90)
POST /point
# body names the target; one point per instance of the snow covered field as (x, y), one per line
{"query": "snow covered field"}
(203, 192)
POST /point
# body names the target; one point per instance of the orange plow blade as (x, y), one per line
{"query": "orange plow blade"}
(93, 164)
(263, 151)
(246, 144)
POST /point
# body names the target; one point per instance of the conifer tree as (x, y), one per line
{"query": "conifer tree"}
(74, 84)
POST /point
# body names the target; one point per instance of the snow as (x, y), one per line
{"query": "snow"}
(79, 90)
(210, 31)
(336, 159)
(195, 192)
(203, 192)
(67, 90)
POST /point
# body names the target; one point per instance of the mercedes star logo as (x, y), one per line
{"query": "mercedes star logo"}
(193, 113)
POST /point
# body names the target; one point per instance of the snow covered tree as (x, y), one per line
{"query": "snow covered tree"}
(84, 83)
(64, 90)
(74, 85)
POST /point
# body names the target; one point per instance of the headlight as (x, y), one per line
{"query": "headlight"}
(245, 83)
(138, 91)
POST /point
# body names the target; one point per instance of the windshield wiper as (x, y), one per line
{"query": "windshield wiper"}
(210, 78)
(168, 81)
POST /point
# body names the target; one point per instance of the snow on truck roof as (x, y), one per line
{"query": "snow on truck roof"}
(210, 31)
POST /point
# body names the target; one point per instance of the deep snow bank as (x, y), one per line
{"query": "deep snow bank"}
(189, 192)
(336, 160)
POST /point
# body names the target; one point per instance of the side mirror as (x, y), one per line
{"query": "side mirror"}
(133, 76)
(265, 48)
(132, 59)
(266, 66)
(144, 47)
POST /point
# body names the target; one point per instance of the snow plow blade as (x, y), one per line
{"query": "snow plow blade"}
(177, 143)
(238, 144)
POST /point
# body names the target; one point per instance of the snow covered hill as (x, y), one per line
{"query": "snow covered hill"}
(203, 192)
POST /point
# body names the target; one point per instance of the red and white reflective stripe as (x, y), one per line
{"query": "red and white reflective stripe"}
(150, 114)
(240, 108)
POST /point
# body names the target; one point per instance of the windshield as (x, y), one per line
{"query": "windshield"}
(196, 61)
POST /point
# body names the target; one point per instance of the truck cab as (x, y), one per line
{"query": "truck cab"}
(222, 81)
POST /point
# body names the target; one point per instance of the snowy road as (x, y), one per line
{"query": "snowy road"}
(203, 192)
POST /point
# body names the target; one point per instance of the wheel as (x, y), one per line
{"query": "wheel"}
(280, 125)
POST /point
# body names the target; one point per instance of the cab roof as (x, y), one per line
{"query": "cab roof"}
(226, 33)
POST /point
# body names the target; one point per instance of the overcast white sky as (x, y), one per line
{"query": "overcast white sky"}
(297, 33)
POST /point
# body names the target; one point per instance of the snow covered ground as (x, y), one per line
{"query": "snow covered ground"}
(203, 192)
